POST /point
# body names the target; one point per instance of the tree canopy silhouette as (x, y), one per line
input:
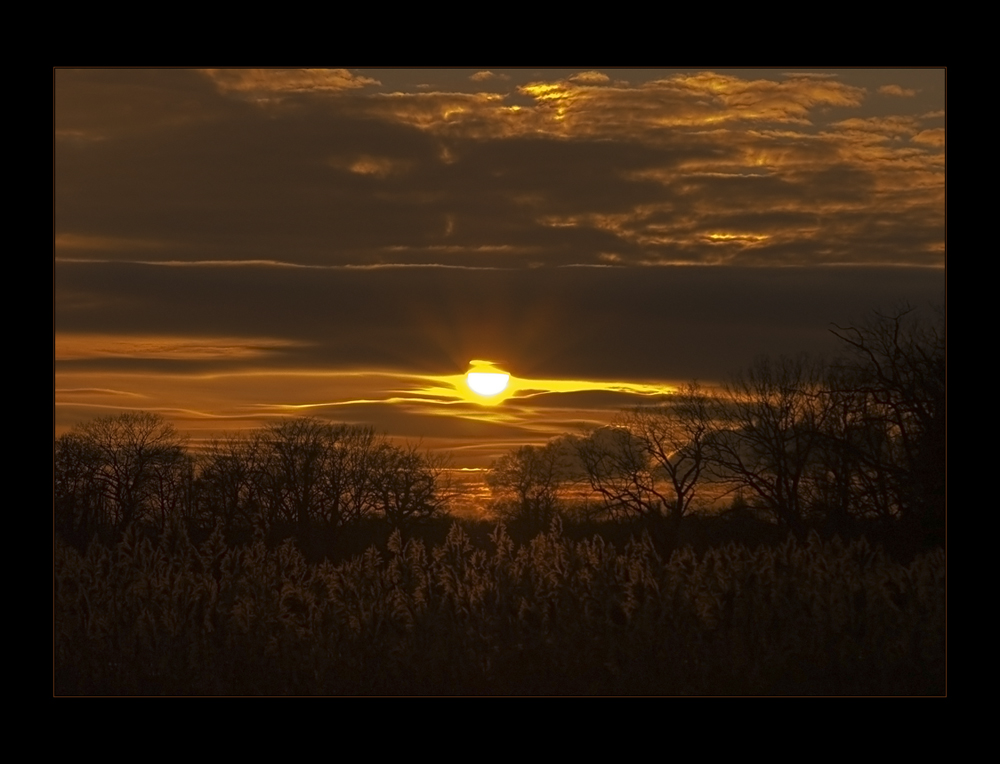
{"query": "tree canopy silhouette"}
(290, 477)
(895, 376)
(116, 470)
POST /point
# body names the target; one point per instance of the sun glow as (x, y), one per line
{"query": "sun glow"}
(487, 384)
(485, 380)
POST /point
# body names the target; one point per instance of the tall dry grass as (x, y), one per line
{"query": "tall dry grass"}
(551, 616)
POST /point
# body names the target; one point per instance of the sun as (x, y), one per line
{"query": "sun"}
(486, 380)
(487, 383)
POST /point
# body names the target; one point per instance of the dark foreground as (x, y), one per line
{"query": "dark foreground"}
(550, 616)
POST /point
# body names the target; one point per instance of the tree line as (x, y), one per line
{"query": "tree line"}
(858, 440)
(300, 474)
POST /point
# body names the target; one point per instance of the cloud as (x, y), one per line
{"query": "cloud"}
(714, 173)
(932, 137)
(590, 78)
(240, 263)
(583, 106)
(372, 165)
(61, 391)
(896, 90)
(789, 100)
(264, 82)
(670, 323)
(812, 75)
(76, 242)
(882, 127)
(487, 75)
(692, 100)
(700, 168)
(93, 106)
(70, 347)
(471, 114)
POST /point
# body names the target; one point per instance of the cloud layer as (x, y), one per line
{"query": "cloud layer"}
(693, 168)
(227, 242)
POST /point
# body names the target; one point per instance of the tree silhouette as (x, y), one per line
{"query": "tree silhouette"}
(123, 468)
(231, 483)
(525, 483)
(79, 507)
(407, 486)
(618, 466)
(297, 471)
(896, 375)
(674, 439)
(305, 473)
(772, 416)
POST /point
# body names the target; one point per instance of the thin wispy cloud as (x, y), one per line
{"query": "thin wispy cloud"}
(486, 76)
(896, 90)
(138, 347)
(263, 82)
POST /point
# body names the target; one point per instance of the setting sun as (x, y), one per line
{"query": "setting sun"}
(487, 383)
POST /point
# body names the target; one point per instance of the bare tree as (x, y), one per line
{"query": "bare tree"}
(136, 457)
(525, 483)
(307, 473)
(296, 470)
(357, 459)
(79, 505)
(648, 463)
(772, 416)
(231, 483)
(173, 489)
(318, 472)
(850, 480)
(407, 485)
(674, 438)
(618, 467)
(896, 375)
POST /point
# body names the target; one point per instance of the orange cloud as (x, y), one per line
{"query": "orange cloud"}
(783, 101)
(487, 75)
(590, 78)
(371, 165)
(896, 90)
(932, 137)
(584, 105)
(79, 346)
(692, 168)
(277, 81)
(881, 127)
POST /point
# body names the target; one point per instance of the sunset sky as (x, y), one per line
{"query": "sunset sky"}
(233, 246)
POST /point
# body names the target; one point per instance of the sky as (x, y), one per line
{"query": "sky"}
(235, 246)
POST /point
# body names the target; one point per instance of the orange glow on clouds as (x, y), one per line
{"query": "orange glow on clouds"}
(440, 411)
(458, 388)
(80, 346)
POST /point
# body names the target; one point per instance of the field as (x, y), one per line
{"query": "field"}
(552, 616)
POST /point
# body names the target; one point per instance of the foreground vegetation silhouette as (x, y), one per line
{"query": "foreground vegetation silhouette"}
(552, 616)
(856, 445)
(313, 558)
